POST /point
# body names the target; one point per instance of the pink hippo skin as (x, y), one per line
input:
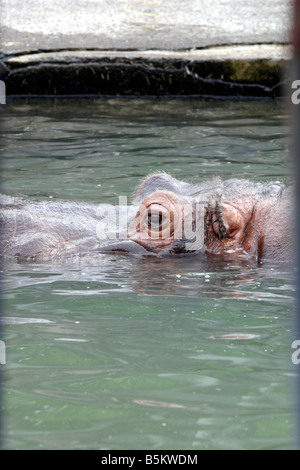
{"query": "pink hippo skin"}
(236, 218)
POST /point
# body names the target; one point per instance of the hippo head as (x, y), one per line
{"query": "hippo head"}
(167, 216)
(219, 217)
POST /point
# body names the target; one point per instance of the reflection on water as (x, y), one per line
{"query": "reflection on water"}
(190, 275)
(120, 352)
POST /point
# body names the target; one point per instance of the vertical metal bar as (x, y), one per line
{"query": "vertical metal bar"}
(1, 331)
(296, 156)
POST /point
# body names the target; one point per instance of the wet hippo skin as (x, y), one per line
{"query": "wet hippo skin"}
(233, 217)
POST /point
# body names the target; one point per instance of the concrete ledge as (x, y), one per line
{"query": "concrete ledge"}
(256, 71)
(232, 48)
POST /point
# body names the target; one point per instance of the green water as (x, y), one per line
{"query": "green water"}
(118, 352)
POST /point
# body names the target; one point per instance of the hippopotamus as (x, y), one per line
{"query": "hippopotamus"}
(166, 217)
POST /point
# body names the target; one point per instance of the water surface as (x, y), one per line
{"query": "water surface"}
(118, 352)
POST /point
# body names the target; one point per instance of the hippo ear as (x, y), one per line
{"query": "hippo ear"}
(216, 218)
(226, 220)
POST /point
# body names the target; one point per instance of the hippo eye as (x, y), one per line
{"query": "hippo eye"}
(154, 221)
(157, 222)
